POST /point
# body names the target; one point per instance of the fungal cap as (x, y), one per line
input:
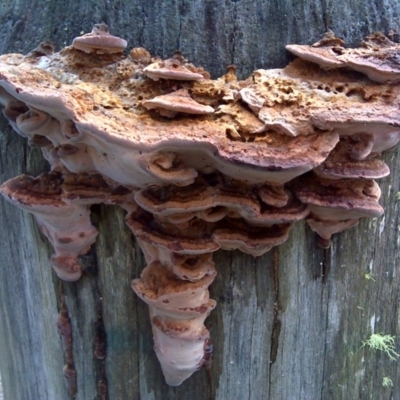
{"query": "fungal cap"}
(348, 160)
(173, 68)
(323, 56)
(178, 101)
(181, 347)
(340, 199)
(169, 292)
(99, 41)
(377, 58)
(66, 267)
(66, 225)
(178, 310)
(329, 39)
(326, 228)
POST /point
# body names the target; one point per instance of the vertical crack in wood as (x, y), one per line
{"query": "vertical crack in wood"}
(276, 325)
(65, 330)
(142, 26)
(233, 36)
(207, 365)
(99, 353)
(251, 346)
(178, 40)
(210, 382)
(325, 15)
(325, 267)
(230, 300)
(25, 156)
(325, 328)
(138, 262)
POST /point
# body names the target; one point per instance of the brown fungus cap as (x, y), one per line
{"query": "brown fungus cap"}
(197, 237)
(191, 238)
(35, 122)
(273, 195)
(39, 141)
(193, 268)
(179, 101)
(168, 167)
(340, 164)
(324, 52)
(91, 188)
(223, 197)
(112, 140)
(339, 199)
(301, 100)
(66, 266)
(185, 267)
(178, 310)
(66, 225)
(325, 228)
(329, 39)
(174, 68)
(376, 128)
(14, 109)
(181, 345)
(161, 288)
(213, 203)
(359, 146)
(253, 240)
(377, 58)
(99, 41)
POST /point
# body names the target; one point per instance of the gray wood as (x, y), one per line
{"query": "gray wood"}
(288, 325)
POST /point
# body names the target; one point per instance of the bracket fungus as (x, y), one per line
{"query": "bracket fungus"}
(377, 57)
(99, 41)
(234, 165)
(178, 101)
(175, 68)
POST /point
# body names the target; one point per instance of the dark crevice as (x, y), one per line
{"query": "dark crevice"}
(276, 324)
(324, 272)
(99, 353)
(208, 349)
(325, 267)
(325, 15)
(233, 36)
(178, 40)
(139, 262)
(210, 382)
(251, 342)
(230, 298)
(65, 331)
(142, 25)
(25, 156)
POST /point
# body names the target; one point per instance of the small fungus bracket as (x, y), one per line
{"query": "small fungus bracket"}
(198, 164)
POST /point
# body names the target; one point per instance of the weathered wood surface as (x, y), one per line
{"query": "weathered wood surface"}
(289, 325)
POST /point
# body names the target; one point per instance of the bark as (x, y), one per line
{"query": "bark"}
(288, 325)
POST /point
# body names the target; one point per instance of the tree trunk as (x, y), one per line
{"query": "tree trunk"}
(288, 325)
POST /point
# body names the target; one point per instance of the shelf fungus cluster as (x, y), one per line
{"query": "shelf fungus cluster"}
(198, 164)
